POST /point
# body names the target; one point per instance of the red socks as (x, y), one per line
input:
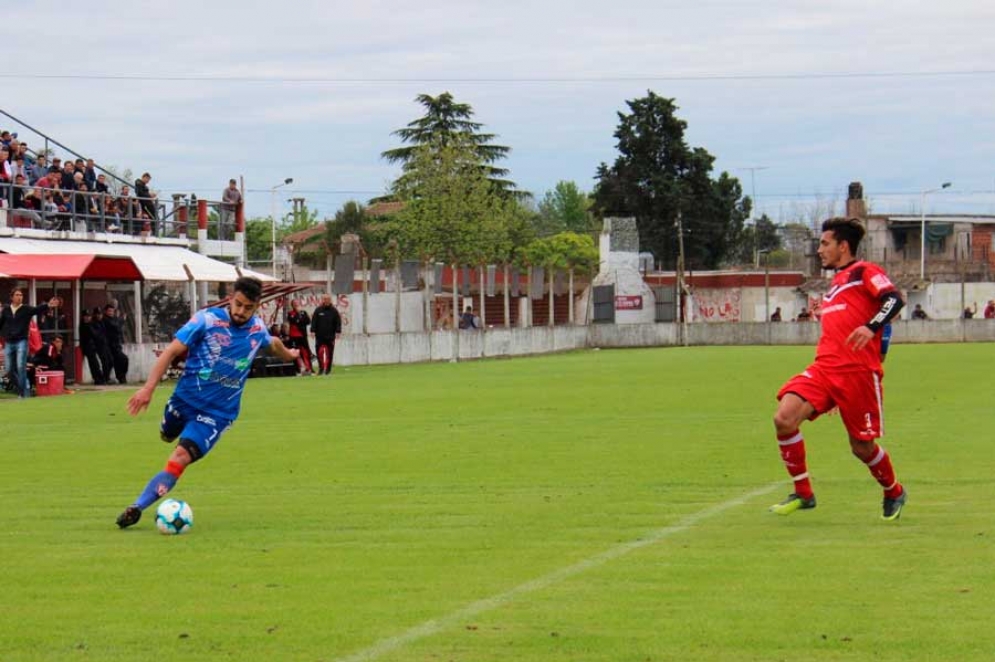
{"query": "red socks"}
(174, 469)
(792, 447)
(880, 467)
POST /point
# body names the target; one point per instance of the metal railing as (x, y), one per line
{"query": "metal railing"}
(80, 211)
(56, 209)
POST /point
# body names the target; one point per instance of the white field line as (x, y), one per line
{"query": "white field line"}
(460, 616)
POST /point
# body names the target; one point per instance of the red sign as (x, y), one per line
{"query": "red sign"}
(629, 302)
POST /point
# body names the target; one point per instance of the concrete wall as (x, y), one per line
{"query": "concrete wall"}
(944, 300)
(419, 347)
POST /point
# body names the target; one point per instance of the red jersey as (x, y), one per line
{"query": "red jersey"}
(852, 301)
(299, 322)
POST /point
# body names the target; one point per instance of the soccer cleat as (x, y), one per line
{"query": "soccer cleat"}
(793, 503)
(892, 508)
(130, 516)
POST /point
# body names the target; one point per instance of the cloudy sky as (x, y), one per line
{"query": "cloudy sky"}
(795, 98)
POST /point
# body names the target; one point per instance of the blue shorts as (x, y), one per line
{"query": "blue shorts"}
(195, 427)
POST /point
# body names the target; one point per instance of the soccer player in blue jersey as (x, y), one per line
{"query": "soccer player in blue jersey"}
(220, 344)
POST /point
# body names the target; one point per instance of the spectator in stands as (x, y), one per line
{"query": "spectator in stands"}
(49, 180)
(101, 184)
(14, 322)
(6, 137)
(804, 316)
(17, 166)
(6, 176)
(146, 198)
(776, 315)
(918, 313)
(326, 324)
(88, 345)
(969, 312)
(86, 208)
(111, 214)
(990, 310)
(20, 189)
(68, 181)
(127, 207)
(38, 170)
(29, 160)
(90, 175)
(114, 330)
(231, 198)
(26, 206)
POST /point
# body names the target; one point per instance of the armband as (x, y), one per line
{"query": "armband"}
(891, 304)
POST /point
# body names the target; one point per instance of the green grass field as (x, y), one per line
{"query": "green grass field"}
(605, 505)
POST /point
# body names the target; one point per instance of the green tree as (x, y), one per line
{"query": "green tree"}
(657, 176)
(258, 240)
(446, 123)
(456, 216)
(565, 208)
(565, 250)
(762, 236)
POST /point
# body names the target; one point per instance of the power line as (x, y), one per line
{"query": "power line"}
(187, 78)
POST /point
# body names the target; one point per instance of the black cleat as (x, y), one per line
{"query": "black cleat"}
(130, 516)
(892, 508)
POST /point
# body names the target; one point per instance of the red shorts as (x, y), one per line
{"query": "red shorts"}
(858, 394)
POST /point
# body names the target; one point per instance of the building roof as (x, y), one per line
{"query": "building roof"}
(171, 263)
(385, 208)
(68, 267)
(302, 236)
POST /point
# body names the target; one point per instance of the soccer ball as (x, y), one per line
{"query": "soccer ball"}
(173, 517)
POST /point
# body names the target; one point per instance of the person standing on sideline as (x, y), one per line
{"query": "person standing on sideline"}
(231, 198)
(220, 345)
(326, 323)
(99, 331)
(847, 371)
(299, 321)
(114, 331)
(14, 322)
(88, 344)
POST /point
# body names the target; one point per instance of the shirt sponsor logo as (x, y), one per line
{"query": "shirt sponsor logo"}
(881, 282)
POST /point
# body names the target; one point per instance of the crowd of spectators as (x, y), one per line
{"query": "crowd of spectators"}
(53, 195)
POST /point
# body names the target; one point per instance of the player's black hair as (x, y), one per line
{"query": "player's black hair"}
(850, 230)
(251, 288)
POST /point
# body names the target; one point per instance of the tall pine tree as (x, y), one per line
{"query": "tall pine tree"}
(658, 175)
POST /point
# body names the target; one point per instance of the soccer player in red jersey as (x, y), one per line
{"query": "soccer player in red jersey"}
(847, 370)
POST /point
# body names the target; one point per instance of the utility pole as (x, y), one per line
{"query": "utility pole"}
(680, 279)
(753, 210)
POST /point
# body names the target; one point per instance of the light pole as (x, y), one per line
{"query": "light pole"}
(922, 227)
(272, 191)
(766, 253)
(753, 209)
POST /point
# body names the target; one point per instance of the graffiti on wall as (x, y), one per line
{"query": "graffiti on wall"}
(718, 305)
(272, 311)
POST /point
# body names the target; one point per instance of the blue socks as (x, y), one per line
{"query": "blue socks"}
(157, 488)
